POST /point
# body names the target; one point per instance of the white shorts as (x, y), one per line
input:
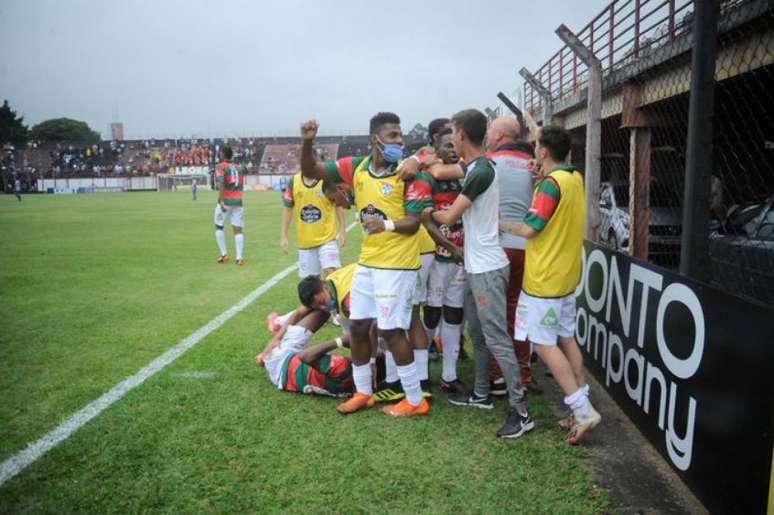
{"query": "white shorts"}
(386, 295)
(543, 320)
(235, 212)
(314, 261)
(420, 294)
(446, 286)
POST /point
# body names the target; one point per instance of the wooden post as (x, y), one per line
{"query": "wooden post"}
(639, 171)
(542, 91)
(593, 126)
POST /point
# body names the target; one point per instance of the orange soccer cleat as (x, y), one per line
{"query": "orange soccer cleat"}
(405, 409)
(240, 262)
(358, 402)
(223, 258)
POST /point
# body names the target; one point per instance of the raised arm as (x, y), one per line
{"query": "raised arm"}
(310, 168)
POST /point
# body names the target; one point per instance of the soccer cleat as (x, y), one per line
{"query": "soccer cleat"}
(405, 409)
(453, 387)
(472, 399)
(516, 424)
(497, 388)
(583, 425)
(359, 401)
(389, 392)
(223, 258)
(427, 388)
(240, 261)
(271, 322)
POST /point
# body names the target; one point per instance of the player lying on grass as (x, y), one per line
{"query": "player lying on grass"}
(293, 368)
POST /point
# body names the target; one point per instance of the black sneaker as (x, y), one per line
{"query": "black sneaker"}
(516, 425)
(453, 387)
(497, 388)
(427, 388)
(389, 392)
(465, 399)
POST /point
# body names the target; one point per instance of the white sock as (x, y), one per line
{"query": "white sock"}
(409, 379)
(420, 358)
(450, 334)
(578, 402)
(240, 244)
(390, 368)
(430, 332)
(284, 318)
(221, 239)
(361, 374)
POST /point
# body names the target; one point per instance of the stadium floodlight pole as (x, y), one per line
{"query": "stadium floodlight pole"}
(542, 91)
(593, 127)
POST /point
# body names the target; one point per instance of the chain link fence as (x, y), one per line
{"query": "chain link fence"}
(646, 58)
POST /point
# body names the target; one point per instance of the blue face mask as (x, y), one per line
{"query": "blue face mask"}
(391, 152)
(330, 305)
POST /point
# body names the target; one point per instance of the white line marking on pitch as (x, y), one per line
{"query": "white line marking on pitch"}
(34, 450)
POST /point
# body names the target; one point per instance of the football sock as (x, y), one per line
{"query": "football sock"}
(239, 239)
(578, 402)
(409, 378)
(390, 368)
(361, 374)
(450, 334)
(420, 358)
(220, 237)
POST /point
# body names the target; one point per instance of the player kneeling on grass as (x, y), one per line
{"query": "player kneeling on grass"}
(553, 227)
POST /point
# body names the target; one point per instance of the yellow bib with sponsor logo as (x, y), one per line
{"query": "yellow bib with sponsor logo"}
(552, 266)
(426, 242)
(313, 213)
(382, 197)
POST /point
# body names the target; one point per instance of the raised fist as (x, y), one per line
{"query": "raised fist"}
(309, 129)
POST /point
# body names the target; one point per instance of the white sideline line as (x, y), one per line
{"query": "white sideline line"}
(34, 450)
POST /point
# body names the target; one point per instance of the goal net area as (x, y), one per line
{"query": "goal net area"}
(173, 182)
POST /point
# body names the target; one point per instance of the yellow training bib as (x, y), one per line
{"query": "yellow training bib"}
(313, 213)
(382, 197)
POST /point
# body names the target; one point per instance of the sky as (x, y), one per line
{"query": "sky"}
(258, 68)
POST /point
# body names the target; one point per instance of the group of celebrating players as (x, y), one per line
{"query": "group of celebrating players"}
(479, 228)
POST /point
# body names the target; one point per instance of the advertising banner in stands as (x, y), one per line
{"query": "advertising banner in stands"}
(692, 366)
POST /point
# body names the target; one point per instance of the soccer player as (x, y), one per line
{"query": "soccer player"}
(546, 310)
(230, 181)
(486, 273)
(292, 368)
(17, 188)
(193, 189)
(386, 276)
(316, 217)
(446, 284)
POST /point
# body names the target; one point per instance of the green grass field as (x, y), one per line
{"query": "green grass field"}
(94, 287)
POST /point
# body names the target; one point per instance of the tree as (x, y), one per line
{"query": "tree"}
(12, 128)
(419, 132)
(64, 129)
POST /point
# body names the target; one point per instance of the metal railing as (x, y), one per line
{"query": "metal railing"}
(619, 35)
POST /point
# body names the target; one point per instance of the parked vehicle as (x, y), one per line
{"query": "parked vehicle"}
(742, 254)
(665, 221)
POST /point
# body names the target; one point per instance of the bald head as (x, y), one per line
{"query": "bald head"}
(502, 130)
